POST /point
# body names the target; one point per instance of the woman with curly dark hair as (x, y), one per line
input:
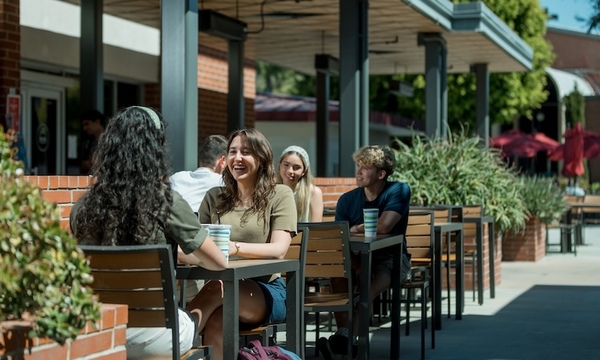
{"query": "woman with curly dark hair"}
(262, 215)
(130, 203)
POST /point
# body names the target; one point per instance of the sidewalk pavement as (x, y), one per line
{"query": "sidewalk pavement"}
(549, 309)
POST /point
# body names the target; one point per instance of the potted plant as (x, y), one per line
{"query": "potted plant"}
(43, 275)
(459, 171)
(545, 204)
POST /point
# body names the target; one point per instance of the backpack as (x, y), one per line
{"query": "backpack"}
(255, 351)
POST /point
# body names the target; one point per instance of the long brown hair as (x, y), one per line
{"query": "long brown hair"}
(265, 178)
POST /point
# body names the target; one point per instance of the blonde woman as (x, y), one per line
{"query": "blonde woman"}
(294, 171)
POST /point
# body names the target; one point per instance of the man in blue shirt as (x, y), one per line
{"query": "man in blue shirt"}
(374, 165)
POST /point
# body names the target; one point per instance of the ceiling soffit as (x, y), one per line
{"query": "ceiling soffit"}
(289, 33)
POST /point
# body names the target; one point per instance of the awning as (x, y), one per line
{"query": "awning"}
(566, 82)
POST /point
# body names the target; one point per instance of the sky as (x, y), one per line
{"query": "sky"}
(567, 11)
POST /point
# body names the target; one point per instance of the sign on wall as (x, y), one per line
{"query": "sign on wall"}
(13, 111)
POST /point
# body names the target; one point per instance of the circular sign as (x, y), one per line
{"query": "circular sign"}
(42, 137)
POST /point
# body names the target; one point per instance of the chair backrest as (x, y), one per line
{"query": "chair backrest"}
(143, 278)
(328, 250)
(297, 249)
(419, 234)
(591, 199)
(472, 211)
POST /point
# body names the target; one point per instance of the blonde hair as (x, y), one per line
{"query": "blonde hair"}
(381, 157)
(302, 192)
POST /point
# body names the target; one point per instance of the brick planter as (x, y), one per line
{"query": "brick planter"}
(530, 245)
(106, 342)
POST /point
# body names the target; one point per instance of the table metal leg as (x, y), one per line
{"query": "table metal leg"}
(231, 316)
(295, 304)
(436, 279)
(479, 242)
(396, 289)
(460, 275)
(492, 260)
(363, 306)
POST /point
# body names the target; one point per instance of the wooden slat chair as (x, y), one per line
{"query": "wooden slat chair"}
(297, 251)
(328, 256)
(419, 241)
(570, 231)
(592, 210)
(143, 278)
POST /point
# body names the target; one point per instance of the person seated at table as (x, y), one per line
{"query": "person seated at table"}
(374, 165)
(130, 203)
(193, 185)
(294, 171)
(262, 215)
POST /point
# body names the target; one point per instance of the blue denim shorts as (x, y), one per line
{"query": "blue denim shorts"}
(275, 298)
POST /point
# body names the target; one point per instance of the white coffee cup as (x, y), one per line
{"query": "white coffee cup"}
(370, 217)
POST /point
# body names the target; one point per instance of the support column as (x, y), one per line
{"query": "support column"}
(354, 99)
(235, 95)
(482, 104)
(91, 64)
(435, 83)
(326, 65)
(179, 80)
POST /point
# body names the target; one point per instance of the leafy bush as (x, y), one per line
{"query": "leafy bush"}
(43, 275)
(543, 198)
(459, 171)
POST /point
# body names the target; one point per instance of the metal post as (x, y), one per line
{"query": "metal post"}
(91, 72)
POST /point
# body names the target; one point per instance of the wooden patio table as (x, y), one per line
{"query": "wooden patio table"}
(245, 269)
(365, 246)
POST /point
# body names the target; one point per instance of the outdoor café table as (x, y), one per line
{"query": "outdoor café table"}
(365, 247)
(479, 222)
(244, 269)
(440, 229)
(580, 213)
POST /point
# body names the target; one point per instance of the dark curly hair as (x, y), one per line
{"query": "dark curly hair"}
(130, 200)
(264, 188)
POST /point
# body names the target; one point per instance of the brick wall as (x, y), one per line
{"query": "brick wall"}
(10, 52)
(333, 188)
(527, 246)
(106, 342)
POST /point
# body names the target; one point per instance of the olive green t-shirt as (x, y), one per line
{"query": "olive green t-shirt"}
(182, 228)
(280, 215)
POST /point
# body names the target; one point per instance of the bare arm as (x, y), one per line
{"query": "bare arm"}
(276, 249)
(208, 256)
(316, 204)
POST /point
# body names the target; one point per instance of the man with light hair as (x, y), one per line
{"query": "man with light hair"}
(374, 165)
(193, 185)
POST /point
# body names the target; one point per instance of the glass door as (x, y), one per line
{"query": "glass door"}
(44, 130)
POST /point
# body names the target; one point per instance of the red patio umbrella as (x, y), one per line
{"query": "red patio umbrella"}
(573, 152)
(519, 144)
(591, 147)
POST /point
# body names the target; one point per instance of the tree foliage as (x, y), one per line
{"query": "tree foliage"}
(575, 107)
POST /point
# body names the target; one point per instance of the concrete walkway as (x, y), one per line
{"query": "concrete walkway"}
(547, 309)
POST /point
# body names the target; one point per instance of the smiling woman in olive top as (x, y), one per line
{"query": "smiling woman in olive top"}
(262, 215)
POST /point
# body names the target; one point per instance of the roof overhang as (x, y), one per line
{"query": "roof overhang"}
(290, 33)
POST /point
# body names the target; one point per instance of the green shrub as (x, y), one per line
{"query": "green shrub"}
(543, 198)
(43, 275)
(459, 171)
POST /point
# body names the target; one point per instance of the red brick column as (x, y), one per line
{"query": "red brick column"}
(10, 52)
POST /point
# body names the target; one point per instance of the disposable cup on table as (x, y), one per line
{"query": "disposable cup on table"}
(370, 217)
(220, 234)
